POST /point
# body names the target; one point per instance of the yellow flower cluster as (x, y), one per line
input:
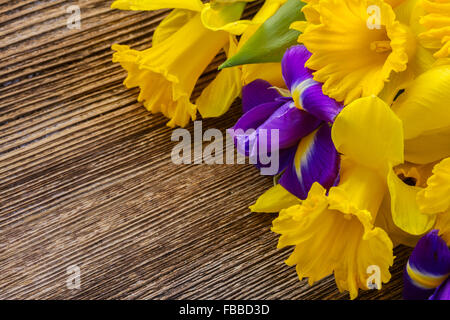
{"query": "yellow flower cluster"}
(393, 134)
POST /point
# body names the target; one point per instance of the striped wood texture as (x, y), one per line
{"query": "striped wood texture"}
(86, 178)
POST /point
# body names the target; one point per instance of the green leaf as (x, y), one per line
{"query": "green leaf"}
(271, 40)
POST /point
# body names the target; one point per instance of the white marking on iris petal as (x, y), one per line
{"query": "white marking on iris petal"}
(300, 89)
(304, 154)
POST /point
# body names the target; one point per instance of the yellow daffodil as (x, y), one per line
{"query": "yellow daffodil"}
(183, 46)
(356, 45)
(437, 24)
(435, 198)
(336, 232)
(419, 201)
(424, 112)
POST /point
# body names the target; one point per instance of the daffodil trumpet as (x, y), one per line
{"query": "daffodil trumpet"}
(184, 44)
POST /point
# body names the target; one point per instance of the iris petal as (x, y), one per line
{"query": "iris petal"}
(293, 66)
(427, 268)
(252, 119)
(315, 102)
(256, 93)
(306, 92)
(442, 292)
(316, 160)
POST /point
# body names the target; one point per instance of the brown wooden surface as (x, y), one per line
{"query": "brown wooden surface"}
(86, 178)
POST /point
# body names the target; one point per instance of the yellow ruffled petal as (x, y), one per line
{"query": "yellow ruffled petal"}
(274, 200)
(218, 16)
(335, 234)
(195, 5)
(404, 208)
(351, 58)
(218, 96)
(435, 198)
(443, 225)
(311, 12)
(368, 132)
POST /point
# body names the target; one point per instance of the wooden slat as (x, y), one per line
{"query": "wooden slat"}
(86, 178)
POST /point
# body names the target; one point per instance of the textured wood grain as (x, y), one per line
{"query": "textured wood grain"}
(86, 178)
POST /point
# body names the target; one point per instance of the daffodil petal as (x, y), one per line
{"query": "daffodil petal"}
(225, 17)
(423, 108)
(195, 5)
(428, 148)
(227, 85)
(270, 72)
(404, 208)
(274, 200)
(176, 19)
(385, 222)
(435, 198)
(327, 239)
(437, 26)
(368, 132)
(165, 79)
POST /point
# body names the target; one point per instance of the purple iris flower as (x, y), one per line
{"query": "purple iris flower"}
(426, 275)
(301, 116)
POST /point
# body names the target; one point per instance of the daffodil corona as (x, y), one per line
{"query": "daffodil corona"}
(361, 116)
(353, 52)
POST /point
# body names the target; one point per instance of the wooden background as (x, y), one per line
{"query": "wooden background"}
(86, 178)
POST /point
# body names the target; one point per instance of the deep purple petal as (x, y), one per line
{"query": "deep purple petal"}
(292, 123)
(256, 93)
(252, 119)
(316, 160)
(257, 115)
(442, 292)
(285, 157)
(431, 255)
(293, 65)
(312, 100)
(430, 260)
